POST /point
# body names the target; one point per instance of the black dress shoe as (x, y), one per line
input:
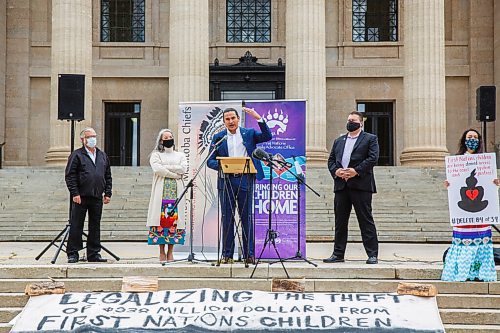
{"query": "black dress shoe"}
(97, 258)
(250, 260)
(72, 259)
(372, 260)
(333, 258)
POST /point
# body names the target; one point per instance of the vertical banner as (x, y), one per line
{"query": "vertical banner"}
(287, 121)
(198, 122)
(472, 195)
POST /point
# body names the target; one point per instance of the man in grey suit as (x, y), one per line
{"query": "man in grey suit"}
(351, 163)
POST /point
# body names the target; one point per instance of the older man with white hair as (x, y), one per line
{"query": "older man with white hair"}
(88, 178)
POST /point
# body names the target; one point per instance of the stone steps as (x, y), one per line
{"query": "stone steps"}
(464, 307)
(411, 204)
(455, 328)
(470, 317)
(7, 314)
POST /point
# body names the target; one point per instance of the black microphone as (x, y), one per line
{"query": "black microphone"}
(243, 103)
(261, 155)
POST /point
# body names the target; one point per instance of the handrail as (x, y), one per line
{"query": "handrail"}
(1, 150)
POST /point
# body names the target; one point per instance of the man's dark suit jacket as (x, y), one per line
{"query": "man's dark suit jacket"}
(250, 140)
(87, 179)
(363, 158)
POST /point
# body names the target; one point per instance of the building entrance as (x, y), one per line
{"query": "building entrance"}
(122, 128)
(247, 80)
(379, 121)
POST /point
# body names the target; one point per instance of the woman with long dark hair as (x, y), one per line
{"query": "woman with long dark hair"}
(470, 256)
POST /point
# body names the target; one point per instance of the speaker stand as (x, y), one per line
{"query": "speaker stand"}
(485, 141)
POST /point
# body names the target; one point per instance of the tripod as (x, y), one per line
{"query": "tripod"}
(65, 232)
(190, 184)
(300, 181)
(271, 234)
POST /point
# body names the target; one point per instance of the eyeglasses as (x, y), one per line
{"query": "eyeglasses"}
(90, 136)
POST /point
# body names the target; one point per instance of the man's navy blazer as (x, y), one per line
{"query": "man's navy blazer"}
(363, 158)
(250, 140)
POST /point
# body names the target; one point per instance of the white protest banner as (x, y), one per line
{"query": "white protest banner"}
(472, 195)
(204, 310)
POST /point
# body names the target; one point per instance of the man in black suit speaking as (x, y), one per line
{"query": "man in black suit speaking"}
(351, 163)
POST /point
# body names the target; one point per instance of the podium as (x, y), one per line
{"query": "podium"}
(238, 176)
(236, 165)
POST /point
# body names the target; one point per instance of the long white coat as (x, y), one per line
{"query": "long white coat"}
(167, 164)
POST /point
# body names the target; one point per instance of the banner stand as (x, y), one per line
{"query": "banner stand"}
(300, 181)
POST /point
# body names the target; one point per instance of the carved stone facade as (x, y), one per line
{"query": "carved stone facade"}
(429, 108)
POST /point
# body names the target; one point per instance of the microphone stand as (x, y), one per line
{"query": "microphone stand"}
(271, 234)
(190, 185)
(300, 181)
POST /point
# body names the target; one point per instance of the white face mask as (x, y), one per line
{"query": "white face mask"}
(91, 142)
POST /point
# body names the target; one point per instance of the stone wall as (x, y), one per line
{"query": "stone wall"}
(229, 53)
(481, 57)
(496, 69)
(457, 110)
(140, 71)
(151, 93)
(343, 93)
(39, 120)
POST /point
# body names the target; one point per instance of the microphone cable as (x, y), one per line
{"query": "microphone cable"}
(202, 250)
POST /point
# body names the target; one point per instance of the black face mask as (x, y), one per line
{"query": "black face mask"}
(351, 126)
(168, 143)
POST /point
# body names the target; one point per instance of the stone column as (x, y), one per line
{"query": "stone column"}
(306, 69)
(424, 84)
(17, 82)
(188, 56)
(71, 54)
(3, 57)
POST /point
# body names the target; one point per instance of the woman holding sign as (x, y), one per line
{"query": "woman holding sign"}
(168, 167)
(470, 256)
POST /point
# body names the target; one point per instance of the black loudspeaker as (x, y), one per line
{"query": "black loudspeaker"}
(71, 97)
(486, 103)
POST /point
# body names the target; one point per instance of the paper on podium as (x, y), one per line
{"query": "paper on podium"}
(236, 165)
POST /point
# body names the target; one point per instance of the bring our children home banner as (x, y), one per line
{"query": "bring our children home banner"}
(287, 122)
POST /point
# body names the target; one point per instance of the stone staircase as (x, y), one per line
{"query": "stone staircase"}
(34, 204)
(410, 206)
(472, 307)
